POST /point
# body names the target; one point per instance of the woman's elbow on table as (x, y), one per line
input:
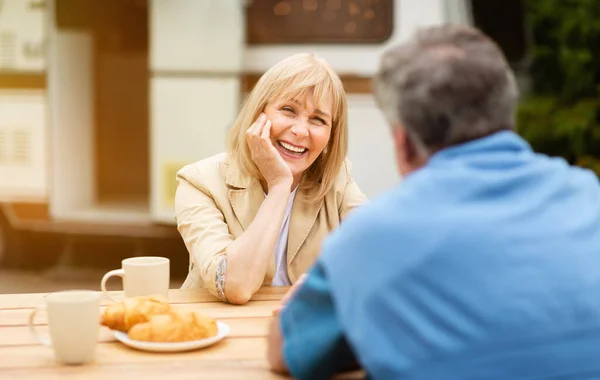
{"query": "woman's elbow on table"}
(237, 294)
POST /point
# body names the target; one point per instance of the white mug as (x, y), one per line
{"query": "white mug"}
(74, 323)
(142, 276)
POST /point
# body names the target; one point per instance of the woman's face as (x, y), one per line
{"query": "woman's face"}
(300, 130)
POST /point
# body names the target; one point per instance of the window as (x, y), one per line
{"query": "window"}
(319, 21)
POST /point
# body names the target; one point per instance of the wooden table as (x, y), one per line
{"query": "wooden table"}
(239, 356)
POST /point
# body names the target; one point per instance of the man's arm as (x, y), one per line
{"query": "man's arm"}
(275, 347)
(275, 351)
(274, 355)
(306, 339)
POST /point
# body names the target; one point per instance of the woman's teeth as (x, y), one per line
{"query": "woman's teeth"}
(291, 148)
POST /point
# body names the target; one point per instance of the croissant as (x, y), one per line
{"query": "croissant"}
(176, 326)
(131, 311)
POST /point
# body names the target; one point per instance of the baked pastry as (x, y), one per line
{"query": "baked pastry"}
(176, 326)
(125, 314)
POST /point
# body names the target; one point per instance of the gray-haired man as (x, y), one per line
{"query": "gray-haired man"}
(482, 264)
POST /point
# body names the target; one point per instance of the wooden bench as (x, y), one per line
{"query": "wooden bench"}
(17, 218)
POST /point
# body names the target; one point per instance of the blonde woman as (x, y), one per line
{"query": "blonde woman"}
(257, 214)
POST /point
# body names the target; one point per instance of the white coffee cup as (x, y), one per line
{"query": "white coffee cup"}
(74, 323)
(142, 276)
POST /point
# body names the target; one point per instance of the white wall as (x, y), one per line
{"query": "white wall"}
(23, 151)
(189, 118)
(70, 82)
(196, 57)
(196, 36)
(23, 159)
(23, 30)
(370, 146)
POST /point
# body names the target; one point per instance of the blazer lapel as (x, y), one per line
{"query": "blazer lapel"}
(304, 215)
(245, 195)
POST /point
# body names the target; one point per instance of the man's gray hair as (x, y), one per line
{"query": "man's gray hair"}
(448, 85)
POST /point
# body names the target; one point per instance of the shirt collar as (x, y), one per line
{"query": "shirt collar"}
(499, 142)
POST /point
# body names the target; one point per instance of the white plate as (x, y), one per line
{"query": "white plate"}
(173, 347)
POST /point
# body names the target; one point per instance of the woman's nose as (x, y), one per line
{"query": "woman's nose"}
(300, 129)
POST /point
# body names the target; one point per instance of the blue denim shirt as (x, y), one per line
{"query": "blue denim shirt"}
(484, 264)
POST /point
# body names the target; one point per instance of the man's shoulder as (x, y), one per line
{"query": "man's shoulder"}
(374, 221)
(574, 171)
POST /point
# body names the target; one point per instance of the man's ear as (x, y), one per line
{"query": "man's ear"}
(400, 139)
(408, 157)
(403, 143)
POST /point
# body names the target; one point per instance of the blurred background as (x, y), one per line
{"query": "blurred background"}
(102, 101)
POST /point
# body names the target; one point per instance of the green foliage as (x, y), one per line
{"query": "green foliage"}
(561, 116)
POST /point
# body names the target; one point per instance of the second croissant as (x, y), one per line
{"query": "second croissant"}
(176, 326)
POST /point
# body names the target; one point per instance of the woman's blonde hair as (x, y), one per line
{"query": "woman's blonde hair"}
(295, 78)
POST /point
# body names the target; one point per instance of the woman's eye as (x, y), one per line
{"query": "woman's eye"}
(319, 121)
(288, 109)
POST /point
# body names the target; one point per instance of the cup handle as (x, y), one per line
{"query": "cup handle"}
(116, 272)
(42, 339)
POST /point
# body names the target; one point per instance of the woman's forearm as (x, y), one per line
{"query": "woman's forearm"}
(249, 256)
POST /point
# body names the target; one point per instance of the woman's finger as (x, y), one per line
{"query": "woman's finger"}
(250, 130)
(260, 123)
(255, 127)
(266, 130)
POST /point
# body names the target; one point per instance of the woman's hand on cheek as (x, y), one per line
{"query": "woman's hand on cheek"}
(268, 160)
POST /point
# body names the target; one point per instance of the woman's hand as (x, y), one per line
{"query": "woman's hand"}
(268, 160)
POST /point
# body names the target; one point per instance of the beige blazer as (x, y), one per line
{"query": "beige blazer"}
(215, 202)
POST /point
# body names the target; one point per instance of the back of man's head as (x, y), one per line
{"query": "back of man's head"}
(447, 85)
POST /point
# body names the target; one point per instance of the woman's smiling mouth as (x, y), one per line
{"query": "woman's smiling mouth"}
(290, 149)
